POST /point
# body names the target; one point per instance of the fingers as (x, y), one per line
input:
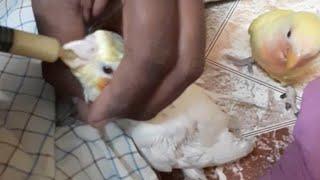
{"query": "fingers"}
(151, 35)
(59, 76)
(82, 108)
(87, 9)
(98, 7)
(190, 59)
(62, 20)
(83, 112)
(91, 9)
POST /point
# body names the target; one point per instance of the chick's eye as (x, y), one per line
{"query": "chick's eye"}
(107, 70)
(289, 33)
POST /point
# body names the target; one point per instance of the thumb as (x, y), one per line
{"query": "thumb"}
(82, 109)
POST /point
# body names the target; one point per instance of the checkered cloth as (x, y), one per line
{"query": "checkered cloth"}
(31, 146)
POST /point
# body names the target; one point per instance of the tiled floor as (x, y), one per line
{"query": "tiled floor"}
(255, 96)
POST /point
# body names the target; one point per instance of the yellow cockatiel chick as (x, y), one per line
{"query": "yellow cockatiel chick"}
(99, 54)
(286, 44)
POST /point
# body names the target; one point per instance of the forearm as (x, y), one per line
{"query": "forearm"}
(151, 36)
(150, 30)
(190, 64)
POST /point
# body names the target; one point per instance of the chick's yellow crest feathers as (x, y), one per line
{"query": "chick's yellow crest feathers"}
(267, 18)
(110, 46)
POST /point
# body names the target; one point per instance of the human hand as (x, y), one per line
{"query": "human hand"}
(164, 48)
(66, 21)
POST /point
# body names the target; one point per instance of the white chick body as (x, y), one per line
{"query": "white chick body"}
(190, 134)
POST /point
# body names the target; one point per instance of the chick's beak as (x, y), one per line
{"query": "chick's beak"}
(102, 83)
(292, 59)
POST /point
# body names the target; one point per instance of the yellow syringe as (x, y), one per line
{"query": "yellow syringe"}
(40, 47)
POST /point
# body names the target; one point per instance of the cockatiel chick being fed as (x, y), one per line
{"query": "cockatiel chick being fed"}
(99, 54)
(286, 45)
(190, 134)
